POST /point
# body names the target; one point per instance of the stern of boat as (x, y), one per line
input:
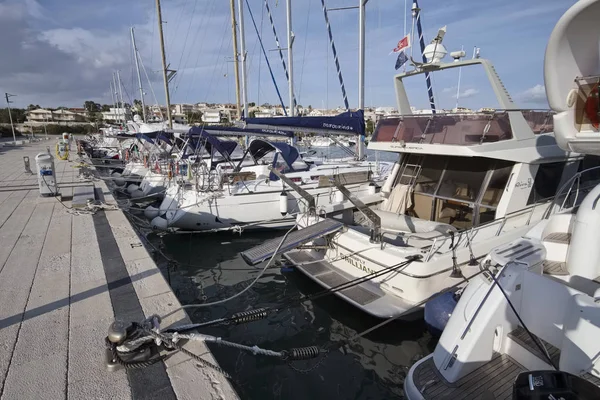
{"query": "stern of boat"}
(411, 390)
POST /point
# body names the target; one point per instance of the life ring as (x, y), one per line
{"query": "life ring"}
(592, 107)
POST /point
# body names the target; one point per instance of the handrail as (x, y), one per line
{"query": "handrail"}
(571, 181)
(502, 221)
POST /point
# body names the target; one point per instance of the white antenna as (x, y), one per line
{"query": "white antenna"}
(462, 53)
(404, 35)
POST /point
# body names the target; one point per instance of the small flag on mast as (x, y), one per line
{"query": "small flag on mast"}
(402, 58)
(402, 44)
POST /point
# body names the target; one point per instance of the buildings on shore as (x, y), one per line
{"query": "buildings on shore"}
(200, 113)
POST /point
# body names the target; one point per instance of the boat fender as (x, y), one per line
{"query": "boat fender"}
(136, 194)
(118, 179)
(572, 97)
(438, 311)
(151, 212)
(283, 203)
(339, 197)
(372, 189)
(132, 188)
(159, 224)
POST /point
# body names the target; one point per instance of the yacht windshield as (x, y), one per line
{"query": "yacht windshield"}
(459, 191)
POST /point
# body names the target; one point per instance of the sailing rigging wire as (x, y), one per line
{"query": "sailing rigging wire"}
(285, 69)
(304, 52)
(266, 59)
(216, 64)
(203, 23)
(258, 86)
(335, 56)
(151, 88)
(179, 20)
(187, 34)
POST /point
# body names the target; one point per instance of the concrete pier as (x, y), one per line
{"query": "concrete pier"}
(64, 277)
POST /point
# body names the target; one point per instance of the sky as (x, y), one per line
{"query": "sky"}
(64, 52)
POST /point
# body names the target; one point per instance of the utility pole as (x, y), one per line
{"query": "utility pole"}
(361, 70)
(243, 54)
(8, 95)
(121, 96)
(236, 67)
(139, 76)
(290, 43)
(164, 64)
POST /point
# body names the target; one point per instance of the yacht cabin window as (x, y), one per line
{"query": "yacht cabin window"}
(461, 191)
(546, 182)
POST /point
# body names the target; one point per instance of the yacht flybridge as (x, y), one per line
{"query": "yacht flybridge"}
(527, 325)
(464, 184)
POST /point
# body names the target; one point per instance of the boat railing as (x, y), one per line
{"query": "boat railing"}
(465, 237)
(461, 129)
(573, 191)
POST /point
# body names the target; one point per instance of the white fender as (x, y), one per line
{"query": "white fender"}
(151, 212)
(283, 203)
(159, 224)
(132, 188)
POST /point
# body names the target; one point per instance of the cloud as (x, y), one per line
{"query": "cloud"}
(535, 95)
(470, 92)
(55, 67)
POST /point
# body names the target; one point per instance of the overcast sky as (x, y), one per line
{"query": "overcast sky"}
(63, 52)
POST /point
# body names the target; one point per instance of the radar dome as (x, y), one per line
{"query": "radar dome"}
(434, 53)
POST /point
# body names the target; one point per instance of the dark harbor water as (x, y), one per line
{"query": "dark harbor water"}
(372, 367)
(209, 268)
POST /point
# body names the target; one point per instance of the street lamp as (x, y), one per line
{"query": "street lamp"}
(8, 95)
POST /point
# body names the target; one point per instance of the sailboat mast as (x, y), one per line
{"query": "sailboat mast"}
(122, 107)
(290, 43)
(243, 54)
(236, 67)
(361, 69)
(112, 93)
(139, 76)
(164, 64)
(116, 98)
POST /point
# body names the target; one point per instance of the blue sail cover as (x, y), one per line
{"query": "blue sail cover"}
(259, 148)
(349, 122)
(143, 136)
(233, 131)
(157, 135)
(199, 136)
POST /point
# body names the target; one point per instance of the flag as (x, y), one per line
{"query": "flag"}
(402, 58)
(402, 44)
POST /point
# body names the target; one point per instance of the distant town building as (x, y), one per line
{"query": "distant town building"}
(182, 108)
(39, 115)
(116, 114)
(211, 116)
(179, 118)
(62, 116)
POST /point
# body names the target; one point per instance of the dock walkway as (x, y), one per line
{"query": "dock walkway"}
(63, 279)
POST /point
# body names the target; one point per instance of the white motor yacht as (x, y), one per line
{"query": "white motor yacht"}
(464, 184)
(527, 326)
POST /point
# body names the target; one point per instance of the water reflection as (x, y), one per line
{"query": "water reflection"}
(371, 367)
